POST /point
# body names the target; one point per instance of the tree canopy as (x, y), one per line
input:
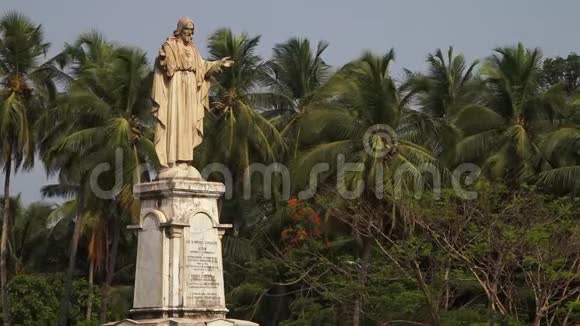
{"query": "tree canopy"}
(448, 197)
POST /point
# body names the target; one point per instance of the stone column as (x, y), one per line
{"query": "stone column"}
(179, 270)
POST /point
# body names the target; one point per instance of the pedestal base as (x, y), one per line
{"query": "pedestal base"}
(179, 270)
(177, 312)
(182, 322)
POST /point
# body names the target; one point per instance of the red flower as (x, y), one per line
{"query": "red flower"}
(293, 202)
(328, 244)
(316, 219)
(298, 214)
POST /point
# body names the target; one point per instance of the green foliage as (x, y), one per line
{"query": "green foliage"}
(307, 312)
(81, 294)
(394, 300)
(35, 300)
(476, 316)
(531, 240)
(562, 71)
(120, 302)
(507, 257)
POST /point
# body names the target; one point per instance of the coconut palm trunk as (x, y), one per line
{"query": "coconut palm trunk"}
(112, 261)
(4, 246)
(65, 304)
(362, 278)
(91, 287)
(22, 46)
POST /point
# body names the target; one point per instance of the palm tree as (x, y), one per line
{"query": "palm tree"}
(236, 134)
(21, 46)
(33, 246)
(361, 97)
(296, 73)
(447, 88)
(109, 99)
(93, 229)
(505, 135)
(562, 149)
(88, 55)
(29, 236)
(357, 124)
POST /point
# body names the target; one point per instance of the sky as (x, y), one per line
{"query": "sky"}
(413, 28)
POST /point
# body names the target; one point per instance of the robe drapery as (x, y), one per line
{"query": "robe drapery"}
(180, 96)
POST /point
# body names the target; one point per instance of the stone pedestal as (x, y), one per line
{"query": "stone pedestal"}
(179, 271)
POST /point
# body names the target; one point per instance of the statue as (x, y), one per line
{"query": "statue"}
(180, 96)
(179, 269)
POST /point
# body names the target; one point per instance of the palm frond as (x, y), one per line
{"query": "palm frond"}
(325, 153)
(66, 211)
(562, 180)
(472, 149)
(474, 119)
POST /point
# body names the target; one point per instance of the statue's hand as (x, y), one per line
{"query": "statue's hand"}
(227, 62)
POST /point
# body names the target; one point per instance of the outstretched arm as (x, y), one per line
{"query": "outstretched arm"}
(215, 67)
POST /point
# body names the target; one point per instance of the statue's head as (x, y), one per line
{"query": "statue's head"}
(184, 30)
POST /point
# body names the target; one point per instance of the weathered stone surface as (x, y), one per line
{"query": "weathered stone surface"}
(179, 262)
(180, 95)
(179, 274)
(179, 171)
(151, 261)
(182, 322)
(203, 264)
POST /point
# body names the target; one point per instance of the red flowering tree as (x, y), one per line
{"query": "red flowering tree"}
(304, 225)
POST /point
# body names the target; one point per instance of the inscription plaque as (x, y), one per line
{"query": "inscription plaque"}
(203, 273)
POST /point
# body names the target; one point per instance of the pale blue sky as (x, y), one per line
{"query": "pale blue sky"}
(413, 27)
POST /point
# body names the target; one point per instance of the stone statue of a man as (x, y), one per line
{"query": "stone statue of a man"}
(180, 95)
